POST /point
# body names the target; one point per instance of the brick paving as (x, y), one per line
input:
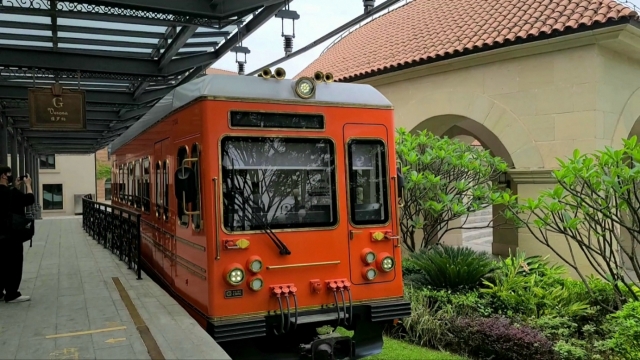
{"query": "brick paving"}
(69, 278)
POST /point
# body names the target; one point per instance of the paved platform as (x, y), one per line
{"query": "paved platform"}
(77, 312)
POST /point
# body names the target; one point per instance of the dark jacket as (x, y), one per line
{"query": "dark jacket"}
(13, 201)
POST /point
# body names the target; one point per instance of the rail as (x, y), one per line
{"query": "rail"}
(116, 229)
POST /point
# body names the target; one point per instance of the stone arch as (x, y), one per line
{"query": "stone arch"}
(627, 124)
(475, 112)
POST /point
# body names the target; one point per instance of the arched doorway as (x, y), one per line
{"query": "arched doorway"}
(484, 230)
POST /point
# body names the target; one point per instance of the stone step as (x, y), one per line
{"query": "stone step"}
(477, 220)
(477, 234)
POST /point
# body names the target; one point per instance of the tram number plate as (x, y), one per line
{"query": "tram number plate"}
(230, 294)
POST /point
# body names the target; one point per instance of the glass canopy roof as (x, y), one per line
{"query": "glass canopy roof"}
(126, 54)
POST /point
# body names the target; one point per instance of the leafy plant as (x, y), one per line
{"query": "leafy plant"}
(596, 197)
(453, 268)
(103, 171)
(531, 287)
(499, 338)
(624, 330)
(444, 180)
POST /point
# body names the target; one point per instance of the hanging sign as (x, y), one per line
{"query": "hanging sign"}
(57, 109)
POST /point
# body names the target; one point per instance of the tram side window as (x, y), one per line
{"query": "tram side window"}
(368, 187)
(183, 153)
(158, 189)
(146, 186)
(165, 183)
(196, 219)
(130, 187)
(137, 185)
(121, 183)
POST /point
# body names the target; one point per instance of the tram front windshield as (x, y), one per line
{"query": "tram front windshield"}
(278, 182)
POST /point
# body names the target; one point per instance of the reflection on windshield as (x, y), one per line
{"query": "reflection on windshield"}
(281, 182)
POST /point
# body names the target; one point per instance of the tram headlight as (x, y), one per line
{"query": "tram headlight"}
(305, 87)
(386, 262)
(368, 256)
(235, 274)
(256, 283)
(369, 273)
(255, 264)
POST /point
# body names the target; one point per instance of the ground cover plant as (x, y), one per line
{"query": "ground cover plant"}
(523, 308)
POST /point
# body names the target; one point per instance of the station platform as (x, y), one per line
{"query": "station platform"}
(86, 304)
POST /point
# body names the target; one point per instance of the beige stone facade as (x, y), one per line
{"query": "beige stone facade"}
(529, 104)
(66, 178)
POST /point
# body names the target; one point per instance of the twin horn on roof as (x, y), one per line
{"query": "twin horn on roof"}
(279, 73)
(319, 76)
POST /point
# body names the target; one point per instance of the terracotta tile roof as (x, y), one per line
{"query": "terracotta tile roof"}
(216, 71)
(428, 30)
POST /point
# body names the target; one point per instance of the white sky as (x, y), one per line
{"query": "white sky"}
(317, 17)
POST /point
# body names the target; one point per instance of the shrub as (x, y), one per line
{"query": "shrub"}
(624, 330)
(531, 287)
(426, 326)
(453, 268)
(497, 338)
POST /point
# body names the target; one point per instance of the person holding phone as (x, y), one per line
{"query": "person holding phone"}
(12, 201)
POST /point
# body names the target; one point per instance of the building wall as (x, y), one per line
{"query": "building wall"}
(102, 156)
(76, 174)
(529, 105)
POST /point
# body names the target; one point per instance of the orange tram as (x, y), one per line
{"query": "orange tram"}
(269, 210)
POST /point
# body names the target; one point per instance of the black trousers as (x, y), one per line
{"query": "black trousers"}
(11, 259)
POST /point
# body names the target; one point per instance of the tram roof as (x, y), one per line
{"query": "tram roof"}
(254, 89)
(126, 54)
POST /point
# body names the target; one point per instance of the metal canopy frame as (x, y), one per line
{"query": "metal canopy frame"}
(126, 55)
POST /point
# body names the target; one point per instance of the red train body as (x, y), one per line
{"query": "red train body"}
(269, 210)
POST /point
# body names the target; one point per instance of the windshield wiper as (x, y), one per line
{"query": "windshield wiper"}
(282, 247)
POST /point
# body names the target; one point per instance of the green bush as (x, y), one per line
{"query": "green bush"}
(452, 268)
(623, 328)
(531, 287)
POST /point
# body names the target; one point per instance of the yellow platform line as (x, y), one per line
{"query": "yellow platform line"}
(85, 332)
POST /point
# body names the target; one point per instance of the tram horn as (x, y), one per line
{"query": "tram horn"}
(328, 77)
(318, 76)
(279, 73)
(266, 73)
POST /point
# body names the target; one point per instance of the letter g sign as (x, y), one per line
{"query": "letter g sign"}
(57, 102)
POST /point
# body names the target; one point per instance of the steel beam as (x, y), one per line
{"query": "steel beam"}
(42, 59)
(61, 135)
(197, 8)
(4, 139)
(22, 160)
(337, 31)
(91, 127)
(94, 96)
(207, 59)
(14, 153)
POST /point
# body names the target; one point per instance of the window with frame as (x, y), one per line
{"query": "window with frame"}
(146, 186)
(137, 198)
(165, 183)
(368, 184)
(278, 182)
(52, 197)
(107, 189)
(130, 187)
(196, 219)
(183, 153)
(158, 189)
(47, 162)
(121, 190)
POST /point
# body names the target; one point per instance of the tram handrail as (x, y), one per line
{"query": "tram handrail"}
(116, 229)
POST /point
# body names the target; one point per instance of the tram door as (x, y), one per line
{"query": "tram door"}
(164, 238)
(368, 188)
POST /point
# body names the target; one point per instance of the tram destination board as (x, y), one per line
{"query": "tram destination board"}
(57, 109)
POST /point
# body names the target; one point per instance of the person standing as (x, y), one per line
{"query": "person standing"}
(12, 201)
